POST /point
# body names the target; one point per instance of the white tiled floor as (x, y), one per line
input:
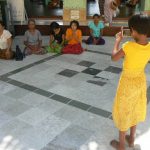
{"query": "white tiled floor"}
(32, 121)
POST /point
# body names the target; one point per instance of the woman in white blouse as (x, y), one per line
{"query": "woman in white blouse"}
(5, 43)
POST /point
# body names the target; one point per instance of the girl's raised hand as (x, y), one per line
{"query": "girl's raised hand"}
(119, 36)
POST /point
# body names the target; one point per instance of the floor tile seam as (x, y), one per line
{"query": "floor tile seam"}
(6, 75)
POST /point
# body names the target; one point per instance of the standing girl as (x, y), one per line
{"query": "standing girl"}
(130, 101)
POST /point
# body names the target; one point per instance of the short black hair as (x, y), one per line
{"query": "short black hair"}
(75, 22)
(2, 23)
(140, 23)
(96, 15)
(54, 25)
(31, 20)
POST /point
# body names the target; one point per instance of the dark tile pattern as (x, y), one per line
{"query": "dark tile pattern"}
(86, 63)
(100, 83)
(113, 69)
(16, 83)
(29, 87)
(60, 99)
(79, 105)
(103, 53)
(28, 66)
(91, 71)
(43, 92)
(68, 73)
(4, 79)
(101, 78)
(100, 112)
(6, 75)
(20, 69)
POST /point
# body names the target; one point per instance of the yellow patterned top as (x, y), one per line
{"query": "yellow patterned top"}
(136, 56)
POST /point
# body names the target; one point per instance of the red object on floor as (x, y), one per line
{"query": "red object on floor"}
(73, 49)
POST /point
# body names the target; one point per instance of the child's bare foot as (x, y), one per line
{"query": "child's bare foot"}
(130, 141)
(115, 144)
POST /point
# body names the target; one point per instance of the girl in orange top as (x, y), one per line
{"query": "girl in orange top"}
(74, 38)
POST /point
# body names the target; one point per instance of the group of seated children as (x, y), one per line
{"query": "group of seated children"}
(61, 42)
(68, 42)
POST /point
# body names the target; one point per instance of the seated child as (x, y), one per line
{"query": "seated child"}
(96, 31)
(5, 43)
(57, 38)
(33, 39)
(74, 39)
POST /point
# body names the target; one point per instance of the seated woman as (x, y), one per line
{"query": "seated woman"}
(5, 43)
(74, 39)
(33, 39)
(57, 38)
(96, 31)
